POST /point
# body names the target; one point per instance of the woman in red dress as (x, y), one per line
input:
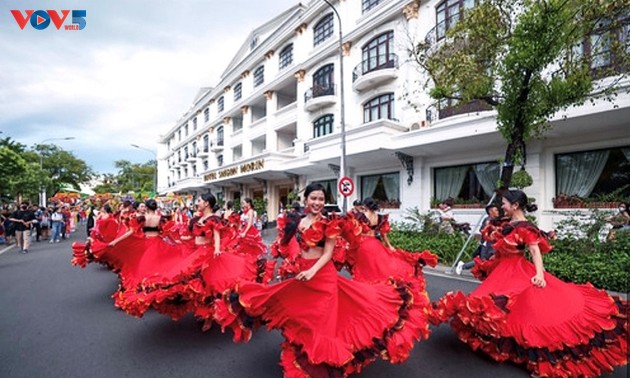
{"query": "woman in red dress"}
(333, 326)
(371, 257)
(190, 277)
(104, 231)
(523, 314)
(250, 241)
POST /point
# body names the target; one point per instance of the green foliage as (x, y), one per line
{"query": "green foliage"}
(521, 179)
(260, 205)
(605, 265)
(577, 257)
(130, 177)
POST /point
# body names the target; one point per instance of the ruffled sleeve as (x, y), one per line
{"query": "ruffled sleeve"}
(383, 225)
(530, 234)
(334, 226)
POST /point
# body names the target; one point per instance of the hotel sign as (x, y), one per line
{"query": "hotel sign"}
(252, 166)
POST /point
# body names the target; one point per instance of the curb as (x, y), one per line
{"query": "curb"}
(3, 250)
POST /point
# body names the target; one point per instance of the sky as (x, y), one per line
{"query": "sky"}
(124, 79)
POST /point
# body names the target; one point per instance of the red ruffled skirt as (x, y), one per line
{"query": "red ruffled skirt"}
(372, 261)
(335, 326)
(562, 330)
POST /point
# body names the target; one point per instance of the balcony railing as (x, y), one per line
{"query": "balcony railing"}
(448, 108)
(319, 91)
(376, 63)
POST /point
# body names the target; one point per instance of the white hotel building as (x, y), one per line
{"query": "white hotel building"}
(271, 125)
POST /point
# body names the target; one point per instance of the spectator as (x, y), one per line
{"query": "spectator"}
(57, 225)
(446, 217)
(23, 219)
(485, 250)
(45, 223)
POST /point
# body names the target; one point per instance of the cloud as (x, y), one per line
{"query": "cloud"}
(126, 78)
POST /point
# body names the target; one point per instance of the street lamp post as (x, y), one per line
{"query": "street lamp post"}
(155, 168)
(342, 110)
(42, 192)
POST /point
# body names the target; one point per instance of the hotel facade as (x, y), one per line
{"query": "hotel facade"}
(273, 123)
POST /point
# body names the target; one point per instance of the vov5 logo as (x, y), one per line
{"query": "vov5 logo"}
(40, 19)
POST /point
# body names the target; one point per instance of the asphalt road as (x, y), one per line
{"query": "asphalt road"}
(57, 320)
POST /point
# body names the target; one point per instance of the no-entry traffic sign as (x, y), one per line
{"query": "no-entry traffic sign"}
(346, 186)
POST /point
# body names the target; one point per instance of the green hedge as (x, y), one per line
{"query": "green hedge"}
(605, 265)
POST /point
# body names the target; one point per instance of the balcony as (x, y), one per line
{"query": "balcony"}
(192, 157)
(449, 108)
(217, 145)
(375, 71)
(203, 152)
(319, 96)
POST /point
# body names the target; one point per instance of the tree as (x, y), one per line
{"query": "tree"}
(12, 167)
(133, 177)
(59, 168)
(529, 59)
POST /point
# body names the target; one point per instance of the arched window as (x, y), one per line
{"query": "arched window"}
(378, 53)
(323, 81)
(259, 76)
(323, 29)
(448, 13)
(323, 125)
(286, 56)
(238, 91)
(220, 104)
(220, 136)
(381, 107)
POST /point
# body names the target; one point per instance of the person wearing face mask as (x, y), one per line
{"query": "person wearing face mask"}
(23, 219)
(623, 217)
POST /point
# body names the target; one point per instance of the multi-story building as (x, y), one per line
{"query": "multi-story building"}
(274, 121)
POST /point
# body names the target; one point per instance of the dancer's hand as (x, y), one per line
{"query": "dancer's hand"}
(305, 275)
(539, 280)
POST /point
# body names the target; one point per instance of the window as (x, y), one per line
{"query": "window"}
(206, 143)
(186, 152)
(205, 165)
(179, 135)
(600, 48)
(220, 136)
(381, 107)
(238, 91)
(206, 114)
(237, 124)
(221, 104)
(195, 123)
(369, 4)
(220, 160)
(259, 76)
(193, 152)
(448, 13)
(594, 174)
(331, 190)
(472, 183)
(323, 126)
(323, 81)
(186, 130)
(383, 188)
(323, 29)
(253, 43)
(286, 56)
(377, 53)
